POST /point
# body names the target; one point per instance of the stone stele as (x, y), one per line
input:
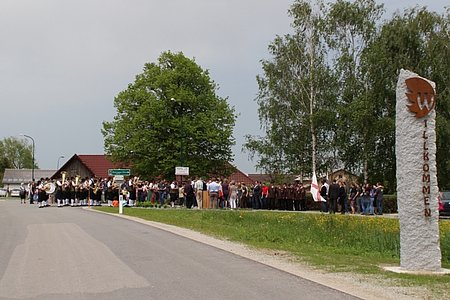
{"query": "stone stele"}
(417, 187)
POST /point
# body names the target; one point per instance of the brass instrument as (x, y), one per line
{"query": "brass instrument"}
(49, 187)
(63, 176)
(96, 187)
(77, 183)
(137, 182)
(114, 184)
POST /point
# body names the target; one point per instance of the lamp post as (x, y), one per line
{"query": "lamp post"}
(32, 167)
(57, 165)
(179, 115)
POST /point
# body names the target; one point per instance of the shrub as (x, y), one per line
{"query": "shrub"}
(143, 204)
(390, 204)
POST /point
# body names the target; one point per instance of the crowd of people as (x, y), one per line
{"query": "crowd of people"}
(363, 199)
(221, 193)
(75, 191)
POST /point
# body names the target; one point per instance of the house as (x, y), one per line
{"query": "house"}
(261, 178)
(239, 176)
(267, 178)
(98, 165)
(343, 175)
(85, 165)
(13, 178)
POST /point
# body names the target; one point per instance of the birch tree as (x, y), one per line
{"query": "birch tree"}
(296, 91)
(351, 27)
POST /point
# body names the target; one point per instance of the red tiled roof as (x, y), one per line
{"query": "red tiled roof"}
(239, 176)
(261, 177)
(99, 164)
(265, 178)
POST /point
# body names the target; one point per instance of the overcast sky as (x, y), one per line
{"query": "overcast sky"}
(62, 62)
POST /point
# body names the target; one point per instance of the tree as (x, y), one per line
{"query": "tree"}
(171, 116)
(351, 27)
(417, 40)
(295, 97)
(347, 117)
(15, 154)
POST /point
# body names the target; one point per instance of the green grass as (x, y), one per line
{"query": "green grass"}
(336, 243)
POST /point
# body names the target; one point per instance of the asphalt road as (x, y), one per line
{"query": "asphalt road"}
(72, 253)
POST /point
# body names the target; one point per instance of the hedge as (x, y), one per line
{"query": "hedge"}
(389, 204)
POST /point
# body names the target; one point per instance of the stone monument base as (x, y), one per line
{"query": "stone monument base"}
(401, 270)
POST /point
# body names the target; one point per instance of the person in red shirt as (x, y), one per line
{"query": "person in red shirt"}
(264, 195)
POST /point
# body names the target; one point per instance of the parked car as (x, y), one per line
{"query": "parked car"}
(444, 203)
(15, 193)
(3, 192)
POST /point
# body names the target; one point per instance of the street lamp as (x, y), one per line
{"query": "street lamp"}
(179, 115)
(182, 129)
(57, 166)
(32, 168)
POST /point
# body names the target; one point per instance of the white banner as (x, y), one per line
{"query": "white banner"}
(315, 192)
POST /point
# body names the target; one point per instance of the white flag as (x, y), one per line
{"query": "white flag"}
(315, 192)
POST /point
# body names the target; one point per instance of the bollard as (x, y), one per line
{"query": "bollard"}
(121, 204)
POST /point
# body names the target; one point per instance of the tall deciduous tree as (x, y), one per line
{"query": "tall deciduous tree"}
(171, 116)
(15, 153)
(351, 27)
(417, 40)
(295, 93)
(353, 121)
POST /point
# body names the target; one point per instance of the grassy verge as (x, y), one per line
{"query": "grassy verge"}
(336, 243)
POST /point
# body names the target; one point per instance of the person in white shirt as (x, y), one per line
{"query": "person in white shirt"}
(173, 193)
(233, 188)
(198, 187)
(213, 190)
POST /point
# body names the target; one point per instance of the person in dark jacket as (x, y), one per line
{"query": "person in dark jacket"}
(272, 196)
(189, 194)
(324, 195)
(342, 197)
(333, 195)
(257, 192)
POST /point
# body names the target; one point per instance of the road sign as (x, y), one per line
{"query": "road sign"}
(182, 171)
(119, 178)
(123, 172)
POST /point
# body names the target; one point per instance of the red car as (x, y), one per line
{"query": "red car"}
(444, 203)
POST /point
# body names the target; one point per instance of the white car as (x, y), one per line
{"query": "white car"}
(15, 193)
(3, 192)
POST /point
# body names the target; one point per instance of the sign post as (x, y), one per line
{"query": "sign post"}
(181, 171)
(417, 187)
(123, 172)
(119, 177)
(120, 204)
